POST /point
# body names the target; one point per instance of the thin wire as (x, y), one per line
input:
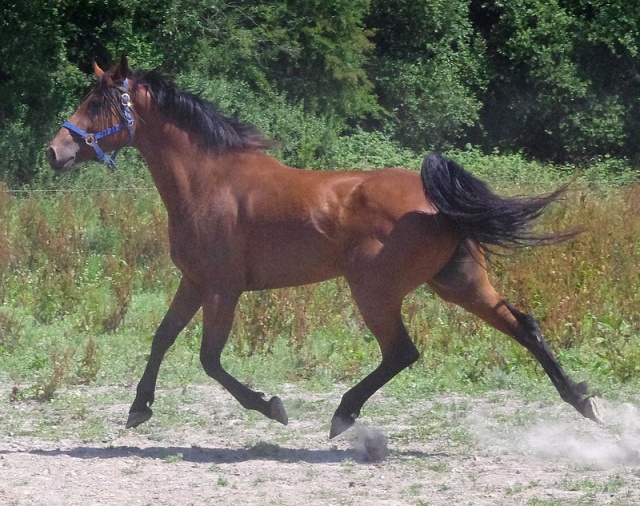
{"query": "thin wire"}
(572, 187)
(82, 190)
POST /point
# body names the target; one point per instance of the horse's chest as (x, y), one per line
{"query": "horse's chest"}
(199, 254)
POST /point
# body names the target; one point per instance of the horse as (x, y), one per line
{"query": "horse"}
(239, 220)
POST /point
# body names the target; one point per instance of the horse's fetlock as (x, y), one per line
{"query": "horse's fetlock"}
(573, 393)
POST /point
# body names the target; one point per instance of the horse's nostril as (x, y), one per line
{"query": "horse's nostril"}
(51, 155)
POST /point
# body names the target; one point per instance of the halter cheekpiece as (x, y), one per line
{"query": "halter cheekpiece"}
(92, 139)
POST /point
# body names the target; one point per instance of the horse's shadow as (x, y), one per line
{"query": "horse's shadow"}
(202, 455)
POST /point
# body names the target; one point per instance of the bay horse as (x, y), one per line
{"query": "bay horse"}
(240, 220)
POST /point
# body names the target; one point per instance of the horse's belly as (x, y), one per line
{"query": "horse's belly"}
(281, 262)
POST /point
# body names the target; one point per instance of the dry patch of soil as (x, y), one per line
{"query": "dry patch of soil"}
(201, 448)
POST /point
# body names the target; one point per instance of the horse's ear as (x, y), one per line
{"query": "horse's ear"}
(122, 70)
(97, 70)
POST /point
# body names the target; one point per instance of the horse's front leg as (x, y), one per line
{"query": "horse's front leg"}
(186, 302)
(217, 311)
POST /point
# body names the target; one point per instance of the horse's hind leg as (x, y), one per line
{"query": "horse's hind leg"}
(383, 317)
(464, 282)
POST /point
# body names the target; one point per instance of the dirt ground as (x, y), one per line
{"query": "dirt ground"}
(201, 448)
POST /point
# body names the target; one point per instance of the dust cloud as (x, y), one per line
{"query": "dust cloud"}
(614, 443)
(369, 444)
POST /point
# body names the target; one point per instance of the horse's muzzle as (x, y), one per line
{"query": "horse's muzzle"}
(59, 161)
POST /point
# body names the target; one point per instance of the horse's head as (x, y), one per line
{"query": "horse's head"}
(104, 122)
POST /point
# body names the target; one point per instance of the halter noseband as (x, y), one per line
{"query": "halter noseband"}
(92, 139)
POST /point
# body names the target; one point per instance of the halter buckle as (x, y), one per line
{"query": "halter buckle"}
(90, 139)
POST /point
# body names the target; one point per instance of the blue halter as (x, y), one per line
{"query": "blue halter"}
(92, 139)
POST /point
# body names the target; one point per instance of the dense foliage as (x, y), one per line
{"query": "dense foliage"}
(554, 79)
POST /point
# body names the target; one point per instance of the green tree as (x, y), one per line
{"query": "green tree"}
(46, 50)
(312, 51)
(35, 80)
(562, 83)
(428, 69)
(555, 79)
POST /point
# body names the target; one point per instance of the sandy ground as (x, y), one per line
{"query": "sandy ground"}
(202, 448)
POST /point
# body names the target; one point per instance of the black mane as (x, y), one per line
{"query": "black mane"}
(192, 113)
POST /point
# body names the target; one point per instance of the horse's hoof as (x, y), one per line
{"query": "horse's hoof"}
(138, 417)
(276, 411)
(593, 410)
(339, 424)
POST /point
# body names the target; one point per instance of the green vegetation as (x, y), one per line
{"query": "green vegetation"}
(554, 79)
(526, 94)
(86, 278)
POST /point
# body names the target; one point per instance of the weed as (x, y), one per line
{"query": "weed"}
(60, 365)
(262, 449)
(121, 277)
(89, 364)
(348, 464)
(582, 485)
(7, 331)
(415, 489)
(441, 467)
(131, 470)
(173, 458)
(614, 485)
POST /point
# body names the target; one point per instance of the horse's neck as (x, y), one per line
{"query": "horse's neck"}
(180, 170)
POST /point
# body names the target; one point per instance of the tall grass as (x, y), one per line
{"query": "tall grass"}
(85, 278)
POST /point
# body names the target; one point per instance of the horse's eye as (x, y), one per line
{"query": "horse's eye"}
(95, 105)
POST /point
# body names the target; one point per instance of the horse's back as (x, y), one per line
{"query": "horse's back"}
(302, 226)
(390, 234)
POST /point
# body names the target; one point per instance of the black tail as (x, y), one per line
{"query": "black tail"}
(479, 214)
